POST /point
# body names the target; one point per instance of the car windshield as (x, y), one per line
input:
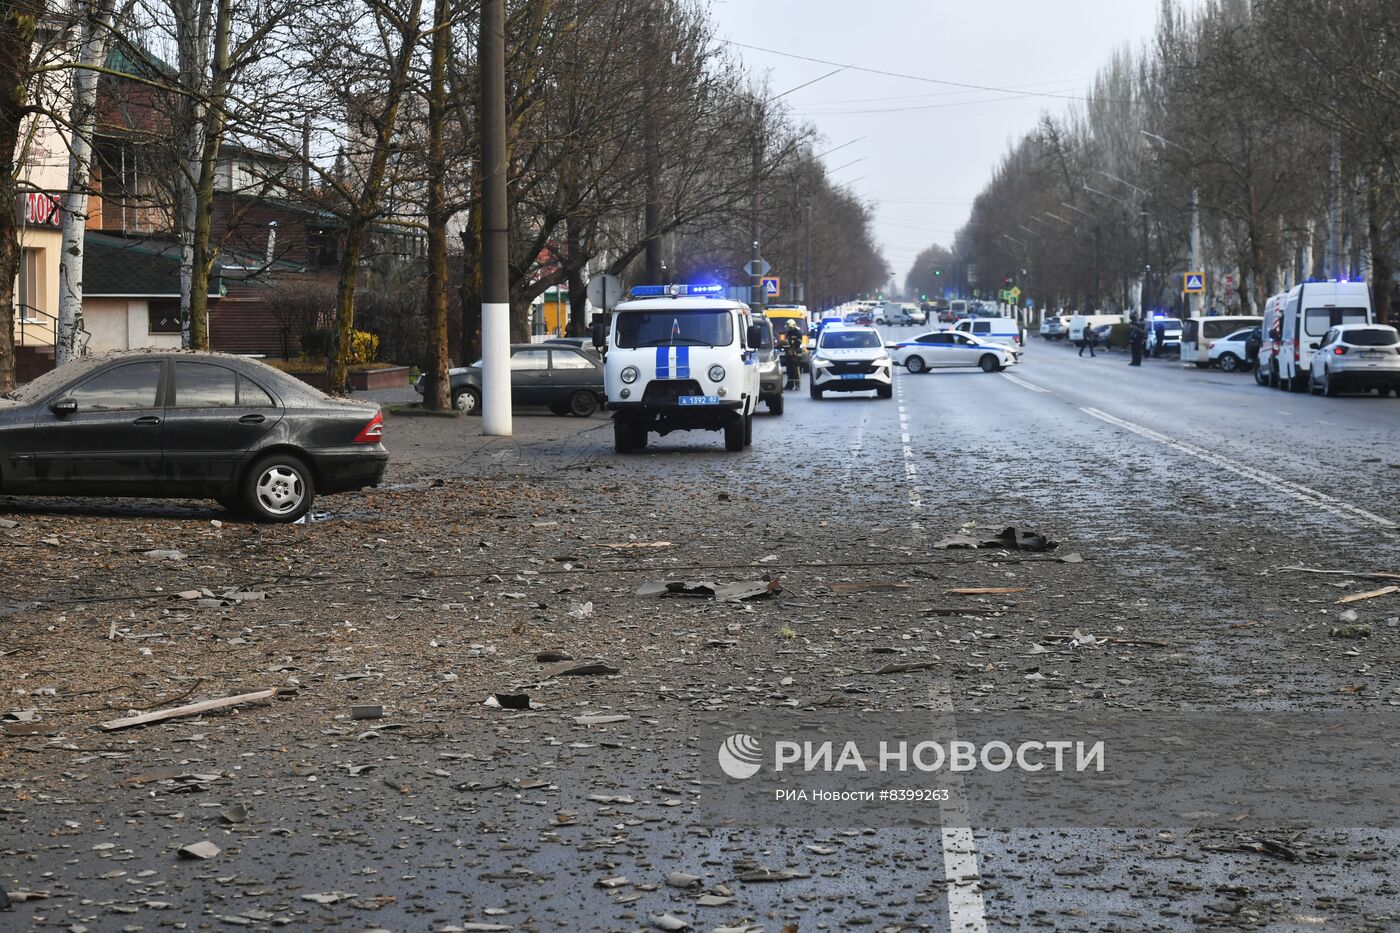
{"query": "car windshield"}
(693, 327)
(1371, 337)
(850, 340)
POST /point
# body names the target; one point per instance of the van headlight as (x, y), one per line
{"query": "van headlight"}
(716, 373)
(630, 374)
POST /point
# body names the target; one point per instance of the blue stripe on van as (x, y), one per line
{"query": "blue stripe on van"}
(663, 362)
(682, 362)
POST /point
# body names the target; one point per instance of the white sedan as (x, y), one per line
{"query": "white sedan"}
(947, 349)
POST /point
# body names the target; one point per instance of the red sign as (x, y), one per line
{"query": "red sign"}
(37, 209)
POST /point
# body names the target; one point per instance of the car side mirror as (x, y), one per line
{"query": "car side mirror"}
(600, 337)
(1313, 346)
(754, 335)
(64, 406)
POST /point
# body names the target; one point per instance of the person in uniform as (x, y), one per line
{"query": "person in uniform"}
(1137, 341)
(792, 355)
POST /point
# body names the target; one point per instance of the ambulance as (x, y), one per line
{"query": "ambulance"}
(680, 358)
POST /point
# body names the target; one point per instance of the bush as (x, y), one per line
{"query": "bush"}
(364, 347)
(316, 344)
(1118, 336)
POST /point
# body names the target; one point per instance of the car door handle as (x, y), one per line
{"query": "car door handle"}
(251, 419)
(147, 420)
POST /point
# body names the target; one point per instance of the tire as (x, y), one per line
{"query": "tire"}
(583, 403)
(1314, 388)
(885, 392)
(915, 364)
(734, 435)
(1261, 376)
(278, 488)
(1328, 389)
(775, 405)
(467, 399)
(1229, 363)
(989, 363)
(814, 391)
(628, 437)
(1205, 365)
(748, 430)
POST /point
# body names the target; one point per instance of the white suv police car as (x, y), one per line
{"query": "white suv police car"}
(851, 359)
(678, 359)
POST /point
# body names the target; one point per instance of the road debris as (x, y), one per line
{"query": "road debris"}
(1373, 594)
(1010, 538)
(1351, 631)
(199, 850)
(743, 590)
(984, 590)
(192, 709)
(367, 711)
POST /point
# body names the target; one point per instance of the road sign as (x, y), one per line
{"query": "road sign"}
(604, 291)
(1194, 284)
(772, 285)
(1014, 292)
(757, 267)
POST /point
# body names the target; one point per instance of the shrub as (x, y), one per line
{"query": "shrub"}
(364, 347)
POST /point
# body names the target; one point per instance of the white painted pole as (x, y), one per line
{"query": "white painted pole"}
(495, 369)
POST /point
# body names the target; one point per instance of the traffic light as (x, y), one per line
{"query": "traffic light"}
(937, 272)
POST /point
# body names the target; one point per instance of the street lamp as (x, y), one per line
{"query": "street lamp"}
(1195, 297)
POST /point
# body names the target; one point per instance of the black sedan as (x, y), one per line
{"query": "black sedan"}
(190, 425)
(566, 379)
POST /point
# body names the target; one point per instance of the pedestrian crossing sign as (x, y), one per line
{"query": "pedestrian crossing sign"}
(772, 286)
(1195, 283)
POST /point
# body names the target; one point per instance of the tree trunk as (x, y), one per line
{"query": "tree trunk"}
(436, 394)
(192, 24)
(213, 132)
(1381, 269)
(95, 38)
(578, 290)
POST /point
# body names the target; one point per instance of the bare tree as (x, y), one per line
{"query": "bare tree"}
(19, 20)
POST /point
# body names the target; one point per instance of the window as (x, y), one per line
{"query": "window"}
(119, 388)
(252, 395)
(850, 340)
(1317, 320)
(164, 315)
(530, 359)
(1370, 337)
(981, 327)
(568, 359)
(31, 281)
(703, 328)
(200, 385)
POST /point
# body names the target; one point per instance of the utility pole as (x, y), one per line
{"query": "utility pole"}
(807, 296)
(495, 240)
(1146, 266)
(755, 279)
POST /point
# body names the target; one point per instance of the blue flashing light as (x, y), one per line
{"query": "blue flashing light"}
(704, 289)
(648, 291)
(659, 291)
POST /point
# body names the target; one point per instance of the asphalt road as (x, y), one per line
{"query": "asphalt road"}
(1186, 493)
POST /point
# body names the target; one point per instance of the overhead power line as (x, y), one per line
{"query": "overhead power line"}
(923, 78)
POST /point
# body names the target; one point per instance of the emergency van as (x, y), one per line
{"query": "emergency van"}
(680, 358)
(1309, 312)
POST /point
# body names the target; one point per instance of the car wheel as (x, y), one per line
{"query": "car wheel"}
(1314, 387)
(1229, 363)
(989, 363)
(915, 364)
(278, 488)
(814, 391)
(734, 435)
(583, 403)
(775, 405)
(467, 399)
(1328, 389)
(1261, 375)
(885, 392)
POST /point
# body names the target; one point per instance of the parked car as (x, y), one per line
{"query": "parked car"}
(946, 349)
(566, 380)
(1163, 335)
(1199, 335)
(1357, 356)
(771, 377)
(1228, 352)
(190, 425)
(1054, 327)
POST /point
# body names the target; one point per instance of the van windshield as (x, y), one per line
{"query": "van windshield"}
(695, 327)
(1317, 321)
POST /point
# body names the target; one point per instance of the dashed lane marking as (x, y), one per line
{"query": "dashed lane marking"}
(1301, 493)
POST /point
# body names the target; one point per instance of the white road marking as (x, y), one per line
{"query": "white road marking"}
(1301, 493)
(967, 912)
(1023, 383)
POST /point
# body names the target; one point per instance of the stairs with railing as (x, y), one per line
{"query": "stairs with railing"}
(35, 332)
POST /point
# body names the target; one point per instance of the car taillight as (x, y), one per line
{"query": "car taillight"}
(1340, 351)
(373, 432)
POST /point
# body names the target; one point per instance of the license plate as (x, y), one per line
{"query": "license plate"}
(852, 376)
(1372, 355)
(698, 400)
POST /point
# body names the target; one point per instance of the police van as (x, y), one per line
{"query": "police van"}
(680, 358)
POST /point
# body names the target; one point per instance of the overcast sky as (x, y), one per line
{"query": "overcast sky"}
(928, 149)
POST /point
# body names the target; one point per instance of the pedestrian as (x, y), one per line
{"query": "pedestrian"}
(792, 356)
(1137, 341)
(1087, 341)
